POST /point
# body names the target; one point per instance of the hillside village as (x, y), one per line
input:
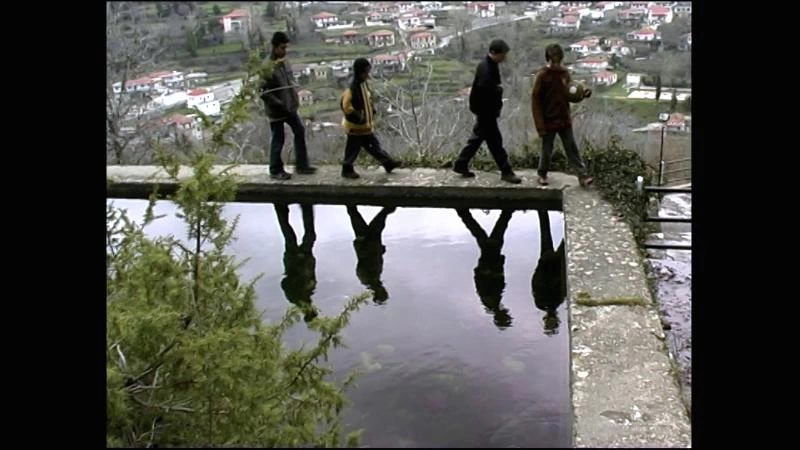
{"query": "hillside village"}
(603, 39)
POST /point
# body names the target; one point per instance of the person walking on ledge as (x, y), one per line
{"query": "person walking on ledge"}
(551, 114)
(486, 102)
(356, 103)
(279, 94)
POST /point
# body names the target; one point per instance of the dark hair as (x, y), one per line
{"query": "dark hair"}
(360, 66)
(553, 51)
(499, 46)
(279, 38)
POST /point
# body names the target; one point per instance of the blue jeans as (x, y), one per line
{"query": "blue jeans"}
(279, 137)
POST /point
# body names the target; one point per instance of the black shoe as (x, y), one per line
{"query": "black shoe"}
(305, 170)
(281, 176)
(463, 171)
(511, 178)
(352, 175)
(391, 165)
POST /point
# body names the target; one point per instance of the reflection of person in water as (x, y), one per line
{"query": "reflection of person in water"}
(369, 250)
(490, 280)
(548, 284)
(300, 277)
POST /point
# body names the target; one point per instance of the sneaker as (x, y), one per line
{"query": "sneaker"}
(463, 171)
(283, 176)
(305, 170)
(543, 180)
(511, 178)
(391, 165)
(585, 181)
(352, 175)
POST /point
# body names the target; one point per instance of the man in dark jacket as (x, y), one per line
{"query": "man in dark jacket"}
(279, 94)
(486, 102)
(300, 278)
(490, 278)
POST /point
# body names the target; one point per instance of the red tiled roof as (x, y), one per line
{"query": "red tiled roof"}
(381, 33)
(138, 81)
(570, 19)
(237, 13)
(323, 15)
(351, 33)
(604, 74)
(199, 91)
(676, 120)
(657, 10)
(421, 36)
(644, 31)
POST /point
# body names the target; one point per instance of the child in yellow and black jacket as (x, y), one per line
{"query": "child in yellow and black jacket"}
(356, 103)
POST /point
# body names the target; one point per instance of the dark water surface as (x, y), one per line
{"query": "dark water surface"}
(456, 349)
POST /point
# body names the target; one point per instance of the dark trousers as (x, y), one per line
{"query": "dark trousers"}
(279, 137)
(570, 148)
(485, 129)
(370, 144)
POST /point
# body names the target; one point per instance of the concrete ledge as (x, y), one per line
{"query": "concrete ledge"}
(403, 187)
(624, 387)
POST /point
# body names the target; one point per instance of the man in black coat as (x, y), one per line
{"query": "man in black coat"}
(486, 102)
(279, 93)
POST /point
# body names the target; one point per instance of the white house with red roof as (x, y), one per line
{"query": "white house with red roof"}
(632, 16)
(237, 20)
(566, 23)
(389, 62)
(604, 6)
(584, 46)
(189, 126)
(593, 63)
(679, 122)
(644, 35)
(203, 99)
(657, 14)
(324, 19)
(381, 38)
(423, 40)
(604, 78)
(617, 46)
(349, 37)
(481, 9)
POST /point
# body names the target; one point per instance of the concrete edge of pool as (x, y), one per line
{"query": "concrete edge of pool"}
(624, 390)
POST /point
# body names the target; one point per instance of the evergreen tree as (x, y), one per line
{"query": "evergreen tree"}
(189, 360)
